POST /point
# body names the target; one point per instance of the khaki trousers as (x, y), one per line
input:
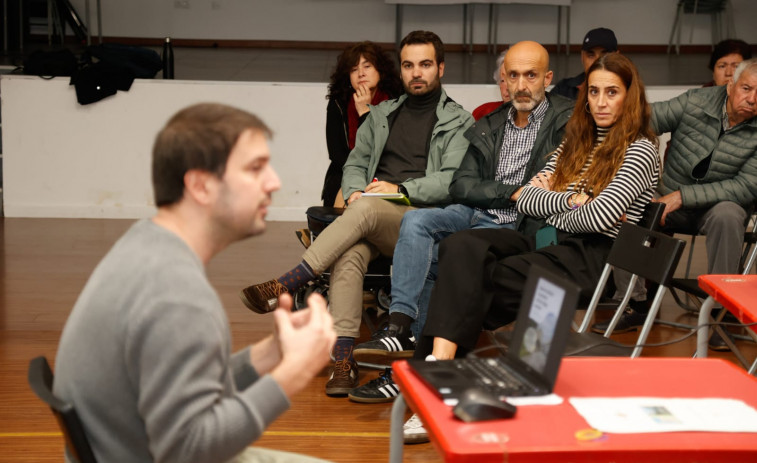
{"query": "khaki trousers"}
(369, 227)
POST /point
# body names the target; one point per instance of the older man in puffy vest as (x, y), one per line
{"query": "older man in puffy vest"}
(709, 181)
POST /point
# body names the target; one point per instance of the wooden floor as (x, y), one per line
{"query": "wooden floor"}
(44, 263)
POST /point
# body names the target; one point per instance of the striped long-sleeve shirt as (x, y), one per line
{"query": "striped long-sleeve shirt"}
(629, 191)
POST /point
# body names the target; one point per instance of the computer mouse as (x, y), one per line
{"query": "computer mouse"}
(476, 404)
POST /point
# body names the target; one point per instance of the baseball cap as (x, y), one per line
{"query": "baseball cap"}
(600, 37)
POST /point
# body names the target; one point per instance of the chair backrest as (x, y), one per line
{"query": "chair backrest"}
(41, 382)
(652, 216)
(646, 253)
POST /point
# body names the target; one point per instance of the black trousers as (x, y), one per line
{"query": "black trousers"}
(482, 273)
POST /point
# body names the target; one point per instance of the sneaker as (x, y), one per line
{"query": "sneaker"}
(413, 431)
(344, 378)
(388, 343)
(630, 320)
(263, 298)
(379, 390)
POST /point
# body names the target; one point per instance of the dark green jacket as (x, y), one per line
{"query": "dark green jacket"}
(474, 185)
(695, 118)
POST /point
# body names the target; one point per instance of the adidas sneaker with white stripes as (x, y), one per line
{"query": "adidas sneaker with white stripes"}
(381, 389)
(388, 343)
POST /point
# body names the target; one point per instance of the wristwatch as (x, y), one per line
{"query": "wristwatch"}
(401, 189)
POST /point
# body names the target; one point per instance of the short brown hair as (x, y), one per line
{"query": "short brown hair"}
(424, 37)
(197, 137)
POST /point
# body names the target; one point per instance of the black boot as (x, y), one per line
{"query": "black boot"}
(717, 343)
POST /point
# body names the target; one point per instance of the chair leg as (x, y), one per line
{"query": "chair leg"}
(730, 23)
(731, 345)
(691, 254)
(749, 256)
(595, 298)
(703, 331)
(691, 31)
(715, 28)
(676, 25)
(395, 429)
(686, 301)
(648, 322)
(622, 307)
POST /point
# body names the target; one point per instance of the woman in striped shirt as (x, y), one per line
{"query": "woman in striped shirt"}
(604, 172)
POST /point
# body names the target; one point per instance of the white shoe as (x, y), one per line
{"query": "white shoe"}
(413, 431)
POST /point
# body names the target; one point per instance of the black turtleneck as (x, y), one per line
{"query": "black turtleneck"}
(406, 151)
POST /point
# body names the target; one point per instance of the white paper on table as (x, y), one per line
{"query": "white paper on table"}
(654, 414)
(549, 399)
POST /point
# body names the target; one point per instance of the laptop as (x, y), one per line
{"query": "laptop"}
(530, 364)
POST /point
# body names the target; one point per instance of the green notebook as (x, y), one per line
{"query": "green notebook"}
(394, 197)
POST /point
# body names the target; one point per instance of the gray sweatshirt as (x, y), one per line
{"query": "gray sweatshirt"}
(145, 357)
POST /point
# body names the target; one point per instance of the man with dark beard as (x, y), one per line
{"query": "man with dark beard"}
(507, 148)
(410, 145)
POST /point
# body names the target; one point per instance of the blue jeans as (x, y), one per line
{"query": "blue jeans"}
(417, 251)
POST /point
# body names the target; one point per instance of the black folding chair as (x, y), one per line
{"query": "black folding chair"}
(41, 381)
(643, 253)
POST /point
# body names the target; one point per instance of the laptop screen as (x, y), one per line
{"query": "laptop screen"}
(542, 321)
(541, 332)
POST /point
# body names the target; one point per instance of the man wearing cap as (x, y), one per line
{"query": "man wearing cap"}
(597, 42)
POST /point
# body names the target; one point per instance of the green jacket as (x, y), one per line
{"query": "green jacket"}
(695, 118)
(474, 184)
(446, 149)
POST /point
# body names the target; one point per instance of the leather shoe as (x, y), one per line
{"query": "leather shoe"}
(717, 343)
(629, 321)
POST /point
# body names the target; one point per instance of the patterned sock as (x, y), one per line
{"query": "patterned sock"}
(297, 278)
(343, 348)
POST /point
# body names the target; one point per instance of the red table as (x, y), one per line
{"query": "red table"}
(737, 293)
(541, 433)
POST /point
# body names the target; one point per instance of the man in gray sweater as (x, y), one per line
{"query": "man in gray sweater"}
(145, 356)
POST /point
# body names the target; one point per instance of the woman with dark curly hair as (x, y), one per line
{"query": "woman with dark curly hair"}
(364, 75)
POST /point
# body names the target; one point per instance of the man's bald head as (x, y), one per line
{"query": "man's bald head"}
(527, 51)
(527, 74)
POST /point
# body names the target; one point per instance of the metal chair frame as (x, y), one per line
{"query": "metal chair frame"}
(644, 253)
(749, 258)
(693, 296)
(40, 377)
(720, 11)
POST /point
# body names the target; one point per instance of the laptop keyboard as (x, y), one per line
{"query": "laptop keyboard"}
(489, 374)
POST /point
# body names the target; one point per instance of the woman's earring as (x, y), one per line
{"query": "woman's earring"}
(586, 108)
